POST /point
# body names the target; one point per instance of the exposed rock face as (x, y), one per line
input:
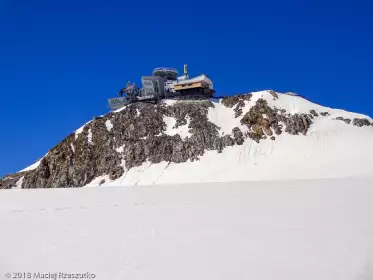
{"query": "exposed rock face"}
(348, 121)
(238, 101)
(238, 136)
(313, 112)
(361, 122)
(231, 101)
(274, 94)
(140, 133)
(356, 121)
(261, 119)
(10, 181)
(137, 135)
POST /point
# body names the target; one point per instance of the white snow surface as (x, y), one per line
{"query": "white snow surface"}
(171, 130)
(120, 149)
(31, 167)
(90, 136)
(109, 125)
(19, 183)
(284, 230)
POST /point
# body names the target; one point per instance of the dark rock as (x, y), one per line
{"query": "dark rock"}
(348, 121)
(265, 123)
(361, 122)
(231, 101)
(294, 124)
(313, 112)
(273, 93)
(116, 172)
(297, 123)
(238, 136)
(238, 108)
(324, 114)
(228, 141)
(267, 131)
(277, 129)
(273, 138)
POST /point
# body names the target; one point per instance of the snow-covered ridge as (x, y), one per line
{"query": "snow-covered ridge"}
(294, 103)
(316, 155)
(32, 166)
(328, 148)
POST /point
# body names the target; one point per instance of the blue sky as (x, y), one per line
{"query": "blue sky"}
(61, 60)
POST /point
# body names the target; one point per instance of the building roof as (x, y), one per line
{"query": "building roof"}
(200, 78)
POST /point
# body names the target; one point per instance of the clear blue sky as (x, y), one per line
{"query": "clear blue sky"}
(61, 60)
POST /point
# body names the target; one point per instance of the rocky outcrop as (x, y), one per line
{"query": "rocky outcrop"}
(348, 121)
(231, 101)
(139, 133)
(10, 181)
(361, 122)
(262, 120)
(274, 94)
(236, 101)
(313, 113)
(238, 136)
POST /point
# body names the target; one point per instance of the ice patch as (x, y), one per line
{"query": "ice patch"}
(120, 149)
(224, 118)
(72, 147)
(169, 102)
(90, 137)
(182, 130)
(109, 125)
(19, 183)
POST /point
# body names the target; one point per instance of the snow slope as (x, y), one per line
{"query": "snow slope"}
(32, 166)
(285, 230)
(331, 148)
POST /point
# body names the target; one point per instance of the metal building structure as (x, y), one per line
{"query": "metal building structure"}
(164, 84)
